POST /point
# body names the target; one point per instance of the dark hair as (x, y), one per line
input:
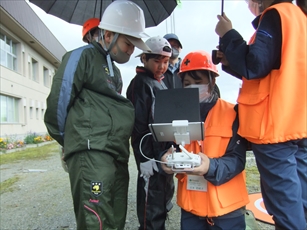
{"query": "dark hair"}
(217, 90)
(193, 74)
(303, 5)
(93, 31)
(150, 56)
(157, 56)
(153, 56)
(208, 73)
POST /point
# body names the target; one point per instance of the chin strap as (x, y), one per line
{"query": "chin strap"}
(108, 49)
(110, 65)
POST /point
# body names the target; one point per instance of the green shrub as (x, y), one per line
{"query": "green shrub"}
(29, 139)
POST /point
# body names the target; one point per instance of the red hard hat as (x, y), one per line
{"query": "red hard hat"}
(198, 60)
(88, 25)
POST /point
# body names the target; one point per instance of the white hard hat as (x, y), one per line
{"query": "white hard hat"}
(158, 45)
(124, 17)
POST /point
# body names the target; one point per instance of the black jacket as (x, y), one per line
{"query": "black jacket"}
(172, 79)
(141, 92)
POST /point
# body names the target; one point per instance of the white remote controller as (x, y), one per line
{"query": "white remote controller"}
(183, 160)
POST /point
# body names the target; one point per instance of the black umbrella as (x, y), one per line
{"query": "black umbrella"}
(78, 11)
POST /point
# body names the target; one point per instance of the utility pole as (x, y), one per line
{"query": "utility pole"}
(171, 24)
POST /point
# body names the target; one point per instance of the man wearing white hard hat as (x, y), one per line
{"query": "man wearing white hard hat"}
(155, 189)
(87, 115)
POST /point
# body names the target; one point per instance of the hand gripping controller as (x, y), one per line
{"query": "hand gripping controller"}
(183, 160)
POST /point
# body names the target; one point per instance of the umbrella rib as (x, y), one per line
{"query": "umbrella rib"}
(149, 12)
(51, 6)
(74, 10)
(95, 10)
(164, 4)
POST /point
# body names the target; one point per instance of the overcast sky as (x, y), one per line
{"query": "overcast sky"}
(194, 24)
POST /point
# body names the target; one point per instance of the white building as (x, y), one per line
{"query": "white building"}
(30, 55)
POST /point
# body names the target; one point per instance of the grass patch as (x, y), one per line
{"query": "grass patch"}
(7, 185)
(252, 179)
(36, 153)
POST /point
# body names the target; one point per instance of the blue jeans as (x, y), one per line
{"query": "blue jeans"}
(283, 178)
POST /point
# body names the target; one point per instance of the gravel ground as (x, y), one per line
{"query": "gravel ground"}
(41, 199)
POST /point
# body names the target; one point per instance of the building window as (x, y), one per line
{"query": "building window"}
(37, 113)
(34, 70)
(25, 115)
(42, 113)
(8, 52)
(29, 67)
(9, 109)
(31, 112)
(24, 64)
(47, 77)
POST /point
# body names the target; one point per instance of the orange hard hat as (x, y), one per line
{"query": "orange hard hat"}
(88, 25)
(198, 60)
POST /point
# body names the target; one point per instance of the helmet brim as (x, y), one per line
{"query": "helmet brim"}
(137, 42)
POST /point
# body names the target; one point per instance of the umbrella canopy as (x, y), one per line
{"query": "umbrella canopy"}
(78, 11)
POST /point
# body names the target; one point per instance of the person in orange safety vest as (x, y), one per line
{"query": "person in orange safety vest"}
(272, 102)
(213, 194)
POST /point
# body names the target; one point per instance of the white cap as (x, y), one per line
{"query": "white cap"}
(157, 45)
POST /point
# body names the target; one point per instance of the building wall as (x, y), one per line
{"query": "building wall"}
(23, 95)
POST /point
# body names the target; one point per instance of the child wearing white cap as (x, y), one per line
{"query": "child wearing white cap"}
(155, 188)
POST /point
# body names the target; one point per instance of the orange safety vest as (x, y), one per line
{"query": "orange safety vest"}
(222, 199)
(273, 109)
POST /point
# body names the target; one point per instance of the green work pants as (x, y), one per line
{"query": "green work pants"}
(99, 187)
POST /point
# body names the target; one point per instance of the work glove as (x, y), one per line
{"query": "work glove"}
(147, 168)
